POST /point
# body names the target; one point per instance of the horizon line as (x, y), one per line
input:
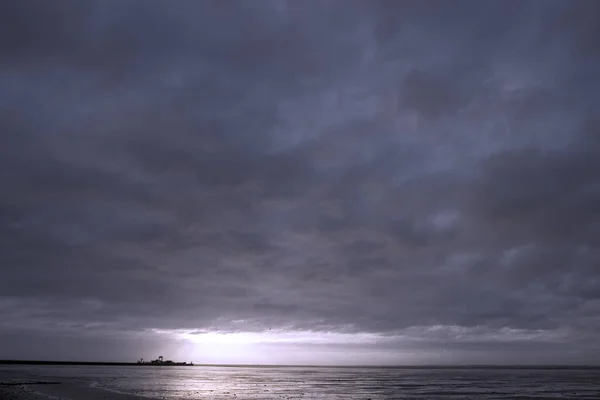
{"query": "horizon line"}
(395, 366)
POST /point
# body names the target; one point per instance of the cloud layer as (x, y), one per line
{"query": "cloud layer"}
(419, 169)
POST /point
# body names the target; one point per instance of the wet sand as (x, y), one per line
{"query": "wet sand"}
(19, 393)
(60, 391)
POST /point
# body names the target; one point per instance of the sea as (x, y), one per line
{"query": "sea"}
(320, 383)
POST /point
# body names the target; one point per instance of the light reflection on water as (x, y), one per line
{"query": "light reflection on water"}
(247, 383)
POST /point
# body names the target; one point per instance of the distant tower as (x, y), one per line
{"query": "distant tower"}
(160, 358)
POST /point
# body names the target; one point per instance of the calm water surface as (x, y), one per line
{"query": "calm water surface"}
(324, 383)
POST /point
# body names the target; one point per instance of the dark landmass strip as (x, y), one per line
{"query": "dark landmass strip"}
(136, 364)
(39, 362)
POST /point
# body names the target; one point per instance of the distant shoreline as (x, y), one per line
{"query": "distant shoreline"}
(136, 364)
(99, 363)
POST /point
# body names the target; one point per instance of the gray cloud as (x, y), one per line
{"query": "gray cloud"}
(381, 167)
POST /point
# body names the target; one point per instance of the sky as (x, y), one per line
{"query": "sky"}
(300, 182)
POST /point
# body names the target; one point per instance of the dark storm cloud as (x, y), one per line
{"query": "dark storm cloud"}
(420, 170)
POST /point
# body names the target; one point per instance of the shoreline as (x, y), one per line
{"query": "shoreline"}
(591, 367)
(92, 363)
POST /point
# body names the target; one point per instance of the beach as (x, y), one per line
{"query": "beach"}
(59, 391)
(295, 383)
(18, 393)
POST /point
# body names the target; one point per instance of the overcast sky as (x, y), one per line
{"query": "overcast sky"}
(354, 182)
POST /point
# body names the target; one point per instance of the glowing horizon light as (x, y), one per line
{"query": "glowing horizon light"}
(272, 337)
(258, 347)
